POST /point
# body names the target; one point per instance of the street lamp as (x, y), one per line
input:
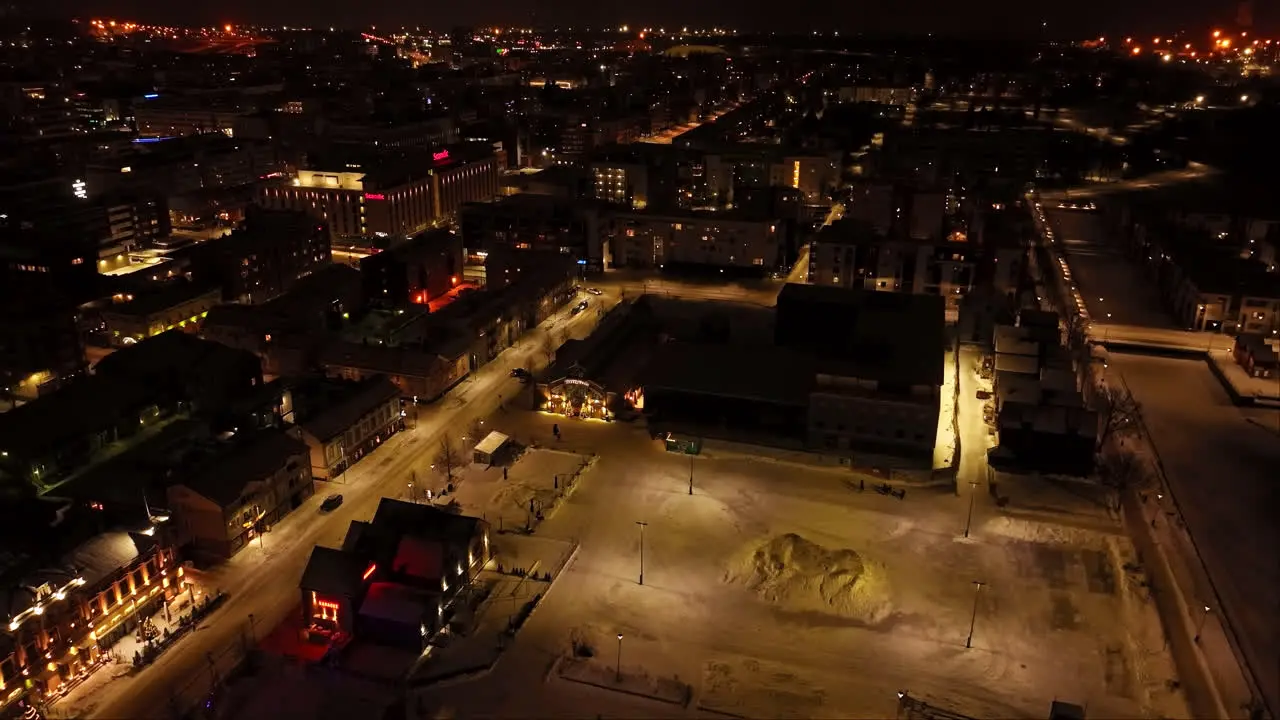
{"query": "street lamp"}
(690, 474)
(977, 589)
(1106, 334)
(618, 674)
(973, 490)
(642, 525)
(412, 498)
(1200, 625)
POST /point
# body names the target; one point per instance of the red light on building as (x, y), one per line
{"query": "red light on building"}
(454, 279)
(420, 297)
(440, 156)
(367, 573)
(374, 196)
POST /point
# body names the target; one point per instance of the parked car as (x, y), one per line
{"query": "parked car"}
(331, 503)
(578, 308)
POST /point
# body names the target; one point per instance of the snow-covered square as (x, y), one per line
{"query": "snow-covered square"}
(780, 590)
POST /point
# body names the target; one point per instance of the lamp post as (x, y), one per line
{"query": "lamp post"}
(1200, 625)
(690, 474)
(412, 498)
(973, 490)
(618, 674)
(642, 525)
(1106, 334)
(977, 589)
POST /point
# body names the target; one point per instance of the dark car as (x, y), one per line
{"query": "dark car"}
(331, 502)
(578, 308)
(520, 373)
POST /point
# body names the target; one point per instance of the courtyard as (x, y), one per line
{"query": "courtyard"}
(779, 590)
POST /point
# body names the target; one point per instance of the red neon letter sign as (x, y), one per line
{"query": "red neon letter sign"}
(440, 156)
(374, 196)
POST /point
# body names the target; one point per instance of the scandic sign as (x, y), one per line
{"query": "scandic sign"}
(440, 156)
(374, 196)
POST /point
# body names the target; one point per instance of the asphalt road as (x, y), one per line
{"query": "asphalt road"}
(262, 582)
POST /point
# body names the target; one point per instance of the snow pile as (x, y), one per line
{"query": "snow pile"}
(802, 576)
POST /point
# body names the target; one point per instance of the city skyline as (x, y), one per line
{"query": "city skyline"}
(992, 18)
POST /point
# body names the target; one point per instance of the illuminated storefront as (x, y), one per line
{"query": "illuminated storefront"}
(575, 397)
(64, 636)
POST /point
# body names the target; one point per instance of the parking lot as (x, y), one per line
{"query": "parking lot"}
(776, 590)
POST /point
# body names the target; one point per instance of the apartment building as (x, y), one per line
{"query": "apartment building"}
(851, 254)
(729, 239)
(391, 197)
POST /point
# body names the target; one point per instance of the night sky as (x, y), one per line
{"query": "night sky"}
(1014, 18)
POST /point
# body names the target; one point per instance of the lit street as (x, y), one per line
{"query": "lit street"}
(263, 581)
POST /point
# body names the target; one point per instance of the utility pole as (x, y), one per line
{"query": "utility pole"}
(642, 525)
(690, 474)
(977, 589)
(973, 490)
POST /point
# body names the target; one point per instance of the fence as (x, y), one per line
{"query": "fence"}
(197, 697)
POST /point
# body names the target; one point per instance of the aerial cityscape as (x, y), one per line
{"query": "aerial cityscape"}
(577, 365)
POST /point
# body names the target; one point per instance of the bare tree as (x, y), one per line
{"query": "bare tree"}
(549, 347)
(448, 457)
(1118, 412)
(475, 431)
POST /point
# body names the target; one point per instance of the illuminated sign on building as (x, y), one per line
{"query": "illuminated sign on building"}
(374, 196)
(440, 156)
(80, 189)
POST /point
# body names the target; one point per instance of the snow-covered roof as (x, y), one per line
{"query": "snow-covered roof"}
(492, 443)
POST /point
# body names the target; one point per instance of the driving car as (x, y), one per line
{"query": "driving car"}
(331, 502)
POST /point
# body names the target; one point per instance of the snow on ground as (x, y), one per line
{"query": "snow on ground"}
(798, 575)
(1220, 462)
(539, 476)
(777, 591)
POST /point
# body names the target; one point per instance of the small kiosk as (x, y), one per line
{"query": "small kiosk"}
(489, 448)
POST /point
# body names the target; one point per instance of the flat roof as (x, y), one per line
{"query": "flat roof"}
(760, 373)
(163, 298)
(889, 337)
(83, 406)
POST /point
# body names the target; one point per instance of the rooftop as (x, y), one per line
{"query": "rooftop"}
(332, 572)
(871, 342)
(169, 352)
(220, 471)
(769, 374)
(398, 518)
(161, 299)
(326, 407)
(85, 406)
